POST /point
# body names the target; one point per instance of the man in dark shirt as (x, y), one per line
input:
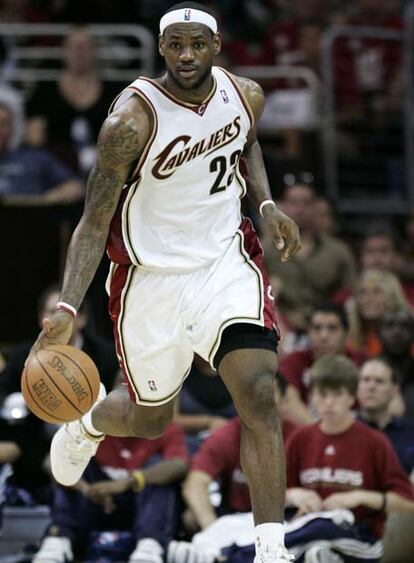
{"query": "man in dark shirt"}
(376, 390)
(397, 339)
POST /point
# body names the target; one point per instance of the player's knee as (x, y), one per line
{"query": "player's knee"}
(152, 426)
(258, 406)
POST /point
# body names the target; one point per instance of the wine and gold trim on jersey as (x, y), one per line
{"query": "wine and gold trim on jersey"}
(242, 97)
(199, 109)
(144, 154)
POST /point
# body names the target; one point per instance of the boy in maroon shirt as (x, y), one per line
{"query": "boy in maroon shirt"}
(339, 463)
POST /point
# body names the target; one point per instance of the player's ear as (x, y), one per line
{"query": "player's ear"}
(161, 45)
(217, 43)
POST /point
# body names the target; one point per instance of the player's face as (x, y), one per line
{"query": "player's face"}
(326, 334)
(375, 388)
(189, 51)
(332, 405)
(5, 128)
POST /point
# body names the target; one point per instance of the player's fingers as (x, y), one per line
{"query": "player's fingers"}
(292, 245)
(278, 238)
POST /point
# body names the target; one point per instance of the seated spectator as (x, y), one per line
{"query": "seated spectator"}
(323, 267)
(284, 34)
(219, 459)
(379, 252)
(119, 490)
(377, 293)
(327, 332)
(29, 175)
(322, 475)
(101, 351)
(204, 404)
(24, 447)
(377, 61)
(396, 335)
(67, 115)
(377, 388)
(326, 216)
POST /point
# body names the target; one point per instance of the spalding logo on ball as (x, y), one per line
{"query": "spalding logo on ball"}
(60, 383)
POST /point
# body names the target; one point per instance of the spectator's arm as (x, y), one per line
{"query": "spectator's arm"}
(165, 472)
(295, 408)
(63, 193)
(66, 192)
(195, 493)
(197, 422)
(397, 503)
(376, 500)
(9, 452)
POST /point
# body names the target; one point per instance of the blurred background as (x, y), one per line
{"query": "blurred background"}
(337, 135)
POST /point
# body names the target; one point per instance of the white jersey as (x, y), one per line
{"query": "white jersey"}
(181, 210)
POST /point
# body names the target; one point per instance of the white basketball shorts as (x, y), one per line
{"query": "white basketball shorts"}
(162, 319)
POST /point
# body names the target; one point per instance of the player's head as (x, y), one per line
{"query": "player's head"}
(189, 41)
(333, 384)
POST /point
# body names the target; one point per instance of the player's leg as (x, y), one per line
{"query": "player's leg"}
(249, 375)
(117, 415)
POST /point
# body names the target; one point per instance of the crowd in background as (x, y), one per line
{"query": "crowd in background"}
(348, 296)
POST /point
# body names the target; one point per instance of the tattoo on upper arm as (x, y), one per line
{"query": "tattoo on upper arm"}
(118, 148)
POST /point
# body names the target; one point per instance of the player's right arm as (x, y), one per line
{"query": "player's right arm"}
(122, 139)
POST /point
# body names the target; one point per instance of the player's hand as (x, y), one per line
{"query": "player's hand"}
(284, 230)
(57, 329)
(305, 500)
(350, 499)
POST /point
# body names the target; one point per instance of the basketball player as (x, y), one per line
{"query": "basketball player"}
(187, 269)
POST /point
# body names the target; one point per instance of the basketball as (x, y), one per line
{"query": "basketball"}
(60, 383)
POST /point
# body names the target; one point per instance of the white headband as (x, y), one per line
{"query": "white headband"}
(188, 15)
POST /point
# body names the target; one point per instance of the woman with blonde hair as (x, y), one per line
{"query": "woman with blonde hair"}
(377, 292)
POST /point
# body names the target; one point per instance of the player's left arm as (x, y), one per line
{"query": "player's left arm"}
(284, 230)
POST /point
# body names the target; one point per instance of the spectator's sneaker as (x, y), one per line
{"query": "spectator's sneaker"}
(54, 550)
(321, 554)
(281, 555)
(186, 552)
(72, 448)
(147, 551)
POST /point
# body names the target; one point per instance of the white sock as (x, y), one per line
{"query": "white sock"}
(87, 418)
(269, 536)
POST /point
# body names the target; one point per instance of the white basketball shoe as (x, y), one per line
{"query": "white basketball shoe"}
(281, 555)
(72, 448)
